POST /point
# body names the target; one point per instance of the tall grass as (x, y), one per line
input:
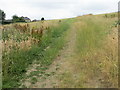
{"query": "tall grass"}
(16, 62)
(90, 34)
(98, 59)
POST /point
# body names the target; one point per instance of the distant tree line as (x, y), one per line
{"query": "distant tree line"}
(15, 18)
(2, 17)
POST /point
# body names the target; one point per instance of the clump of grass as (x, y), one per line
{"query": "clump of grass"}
(111, 15)
(116, 23)
(41, 68)
(33, 80)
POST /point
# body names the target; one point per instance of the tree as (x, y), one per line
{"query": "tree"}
(21, 19)
(2, 17)
(15, 18)
(42, 19)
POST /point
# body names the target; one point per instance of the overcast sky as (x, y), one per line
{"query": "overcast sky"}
(56, 9)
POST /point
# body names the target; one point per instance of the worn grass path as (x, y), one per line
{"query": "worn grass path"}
(78, 70)
(60, 66)
(62, 63)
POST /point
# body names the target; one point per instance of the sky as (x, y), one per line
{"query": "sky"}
(56, 9)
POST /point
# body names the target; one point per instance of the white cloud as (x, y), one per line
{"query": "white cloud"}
(54, 9)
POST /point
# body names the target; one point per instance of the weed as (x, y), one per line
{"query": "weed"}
(33, 80)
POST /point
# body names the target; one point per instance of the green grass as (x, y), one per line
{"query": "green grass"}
(90, 35)
(95, 63)
(92, 50)
(33, 80)
(95, 57)
(16, 62)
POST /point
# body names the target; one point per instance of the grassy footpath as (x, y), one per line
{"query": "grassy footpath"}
(88, 60)
(94, 63)
(15, 64)
(97, 53)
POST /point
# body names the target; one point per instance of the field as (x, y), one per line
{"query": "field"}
(79, 52)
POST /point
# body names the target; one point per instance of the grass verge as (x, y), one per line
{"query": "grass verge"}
(15, 63)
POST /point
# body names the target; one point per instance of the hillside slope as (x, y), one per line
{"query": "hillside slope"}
(89, 57)
(76, 53)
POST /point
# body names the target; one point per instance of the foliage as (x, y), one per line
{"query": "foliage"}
(15, 18)
(17, 60)
(2, 16)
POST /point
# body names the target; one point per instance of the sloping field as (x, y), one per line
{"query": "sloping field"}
(79, 52)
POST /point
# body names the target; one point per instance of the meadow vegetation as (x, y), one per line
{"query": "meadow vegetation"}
(94, 61)
(97, 47)
(92, 48)
(22, 44)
